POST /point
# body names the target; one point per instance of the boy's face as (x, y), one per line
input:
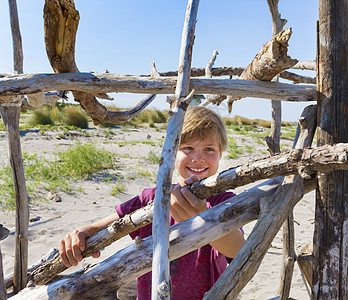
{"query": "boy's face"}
(198, 157)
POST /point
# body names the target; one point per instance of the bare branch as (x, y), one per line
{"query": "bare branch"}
(87, 82)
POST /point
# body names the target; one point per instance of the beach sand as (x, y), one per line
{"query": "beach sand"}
(94, 201)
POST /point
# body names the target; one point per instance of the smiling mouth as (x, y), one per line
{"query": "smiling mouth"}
(197, 171)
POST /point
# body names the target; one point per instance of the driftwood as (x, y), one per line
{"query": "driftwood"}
(49, 256)
(161, 287)
(61, 22)
(108, 82)
(135, 260)
(10, 115)
(305, 262)
(143, 216)
(270, 61)
(306, 127)
(248, 259)
(305, 65)
(273, 141)
(273, 214)
(3, 291)
(330, 247)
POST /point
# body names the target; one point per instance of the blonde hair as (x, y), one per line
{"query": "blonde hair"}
(201, 122)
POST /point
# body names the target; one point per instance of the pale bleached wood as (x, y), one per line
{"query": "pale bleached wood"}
(273, 214)
(161, 287)
(249, 258)
(208, 68)
(103, 238)
(305, 65)
(10, 116)
(319, 159)
(16, 38)
(307, 124)
(60, 23)
(135, 260)
(3, 290)
(108, 82)
(49, 256)
(297, 78)
(266, 63)
(305, 262)
(231, 71)
(273, 142)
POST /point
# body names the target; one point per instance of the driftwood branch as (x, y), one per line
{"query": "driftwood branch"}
(307, 125)
(271, 60)
(3, 291)
(305, 65)
(135, 260)
(273, 213)
(108, 82)
(330, 154)
(61, 22)
(161, 286)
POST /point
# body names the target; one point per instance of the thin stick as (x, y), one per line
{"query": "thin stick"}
(161, 288)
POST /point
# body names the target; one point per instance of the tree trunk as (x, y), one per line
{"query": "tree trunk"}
(330, 249)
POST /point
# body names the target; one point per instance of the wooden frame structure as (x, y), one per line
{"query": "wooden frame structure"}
(278, 195)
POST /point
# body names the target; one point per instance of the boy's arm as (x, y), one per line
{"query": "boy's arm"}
(229, 244)
(71, 246)
(185, 205)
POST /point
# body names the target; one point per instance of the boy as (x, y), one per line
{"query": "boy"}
(203, 140)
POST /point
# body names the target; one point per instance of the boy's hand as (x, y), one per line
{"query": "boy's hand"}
(183, 204)
(71, 246)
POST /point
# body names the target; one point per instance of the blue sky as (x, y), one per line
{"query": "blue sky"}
(125, 36)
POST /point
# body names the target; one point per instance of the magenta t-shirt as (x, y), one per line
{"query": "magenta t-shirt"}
(193, 274)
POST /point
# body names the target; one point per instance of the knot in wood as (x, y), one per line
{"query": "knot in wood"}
(98, 278)
(304, 172)
(295, 154)
(138, 241)
(343, 157)
(163, 289)
(167, 188)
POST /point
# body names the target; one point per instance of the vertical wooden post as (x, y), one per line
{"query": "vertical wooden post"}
(330, 247)
(10, 114)
(3, 291)
(273, 140)
(160, 227)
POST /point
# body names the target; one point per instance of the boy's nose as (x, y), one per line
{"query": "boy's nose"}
(198, 157)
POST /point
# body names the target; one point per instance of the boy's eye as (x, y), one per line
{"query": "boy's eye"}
(209, 149)
(188, 148)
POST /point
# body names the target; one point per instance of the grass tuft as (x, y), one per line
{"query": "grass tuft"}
(75, 116)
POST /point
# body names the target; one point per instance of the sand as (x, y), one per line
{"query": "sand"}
(93, 200)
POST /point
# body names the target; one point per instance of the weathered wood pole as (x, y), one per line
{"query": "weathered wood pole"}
(274, 138)
(330, 245)
(160, 227)
(10, 114)
(3, 291)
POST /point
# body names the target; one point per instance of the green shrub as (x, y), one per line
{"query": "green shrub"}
(80, 161)
(75, 116)
(41, 116)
